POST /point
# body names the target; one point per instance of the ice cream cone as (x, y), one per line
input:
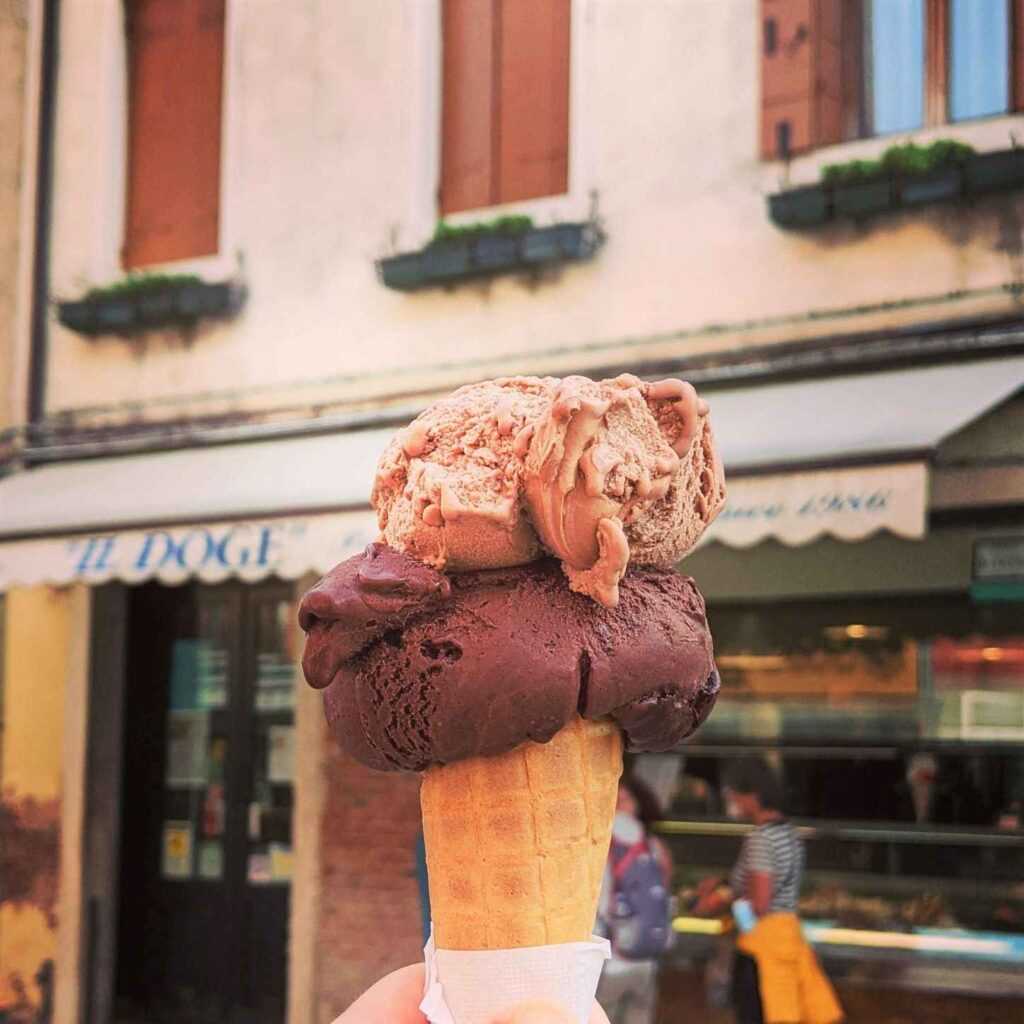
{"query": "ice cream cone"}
(516, 844)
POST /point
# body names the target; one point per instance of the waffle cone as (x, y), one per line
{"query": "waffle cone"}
(516, 844)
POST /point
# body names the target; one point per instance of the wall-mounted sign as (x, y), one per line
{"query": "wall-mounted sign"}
(999, 558)
(997, 570)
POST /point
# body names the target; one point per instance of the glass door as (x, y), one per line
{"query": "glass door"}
(206, 843)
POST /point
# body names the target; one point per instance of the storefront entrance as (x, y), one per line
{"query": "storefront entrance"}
(206, 852)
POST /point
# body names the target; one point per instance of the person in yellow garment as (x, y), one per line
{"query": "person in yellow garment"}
(776, 976)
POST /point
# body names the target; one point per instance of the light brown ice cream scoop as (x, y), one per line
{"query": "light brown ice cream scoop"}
(598, 473)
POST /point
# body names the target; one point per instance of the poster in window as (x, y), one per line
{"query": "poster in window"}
(187, 746)
(275, 682)
(212, 676)
(259, 868)
(210, 861)
(280, 753)
(176, 859)
(280, 862)
(184, 675)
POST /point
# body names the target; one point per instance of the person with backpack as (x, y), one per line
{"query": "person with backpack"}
(776, 977)
(634, 912)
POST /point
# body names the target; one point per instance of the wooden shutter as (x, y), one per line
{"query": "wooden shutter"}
(176, 58)
(469, 104)
(1017, 55)
(505, 106)
(801, 75)
(533, 129)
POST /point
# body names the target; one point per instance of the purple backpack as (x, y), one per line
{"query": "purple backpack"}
(639, 911)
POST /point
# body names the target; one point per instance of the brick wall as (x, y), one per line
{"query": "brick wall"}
(370, 913)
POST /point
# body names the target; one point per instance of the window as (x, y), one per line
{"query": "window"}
(505, 110)
(894, 65)
(834, 70)
(979, 58)
(175, 73)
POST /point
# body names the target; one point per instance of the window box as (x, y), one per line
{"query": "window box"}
(989, 172)
(489, 254)
(937, 187)
(78, 316)
(156, 307)
(115, 314)
(799, 207)
(130, 308)
(863, 198)
(443, 261)
(404, 273)
(558, 243)
(497, 252)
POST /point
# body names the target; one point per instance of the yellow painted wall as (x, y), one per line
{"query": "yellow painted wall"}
(38, 633)
(13, 68)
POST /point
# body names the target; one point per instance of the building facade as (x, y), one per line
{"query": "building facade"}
(263, 235)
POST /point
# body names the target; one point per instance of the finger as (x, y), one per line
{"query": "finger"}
(534, 1013)
(546, 1013)
(395, 999)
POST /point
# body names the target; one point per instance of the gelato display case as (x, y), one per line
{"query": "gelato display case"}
(898, 732)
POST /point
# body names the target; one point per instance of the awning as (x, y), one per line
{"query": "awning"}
(244, 549)
(844, 456)
(868, 438)
(297, 475)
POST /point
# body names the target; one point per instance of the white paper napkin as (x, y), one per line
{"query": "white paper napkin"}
(474, 986)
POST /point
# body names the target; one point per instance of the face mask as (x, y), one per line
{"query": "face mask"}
(626, 828)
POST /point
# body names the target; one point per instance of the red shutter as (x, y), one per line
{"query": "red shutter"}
(469, 104)
(533, 131)
(176, 58)
(828, 72)
(1017, 55)
(801, 75)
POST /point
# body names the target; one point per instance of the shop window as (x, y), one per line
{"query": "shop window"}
(175, 86)
(505, 108)
(835, 70)
(895, 728)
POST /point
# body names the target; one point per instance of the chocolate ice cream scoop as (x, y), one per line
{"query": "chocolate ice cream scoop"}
(421, 669)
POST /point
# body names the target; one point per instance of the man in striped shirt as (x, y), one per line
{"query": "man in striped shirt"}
(776, 976)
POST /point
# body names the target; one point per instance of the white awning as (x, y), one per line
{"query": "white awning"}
(850, 504)
(249, 550)
(876, 417)
(301, 475)
(294, 505)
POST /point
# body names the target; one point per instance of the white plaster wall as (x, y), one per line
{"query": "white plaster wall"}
(330, 161)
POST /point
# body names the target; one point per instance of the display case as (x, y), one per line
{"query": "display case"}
(897, 729)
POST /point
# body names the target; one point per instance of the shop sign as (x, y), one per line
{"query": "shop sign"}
(997, 571)
(850, 504)
(207, 551)
(999, 558)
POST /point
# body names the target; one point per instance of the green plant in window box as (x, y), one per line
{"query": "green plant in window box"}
(457, 250)
(906, 174)
(508, 226)
(488, 248)
(148, 300)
